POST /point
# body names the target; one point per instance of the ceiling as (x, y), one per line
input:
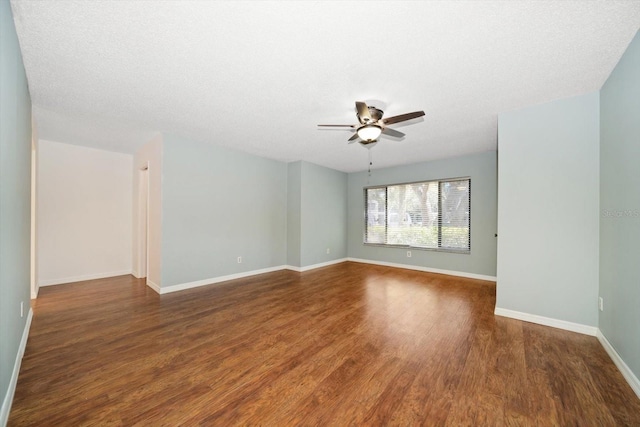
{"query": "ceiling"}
(259, 76)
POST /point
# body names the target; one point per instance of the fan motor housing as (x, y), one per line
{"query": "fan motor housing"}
(375, 113)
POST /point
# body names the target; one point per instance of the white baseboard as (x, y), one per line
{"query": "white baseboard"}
(425, 269)
(182, 286)
(8, 397)
(153, 286)
(211, 281)
(547, 321)
(51, 282)
(624, 369)
(314, 266)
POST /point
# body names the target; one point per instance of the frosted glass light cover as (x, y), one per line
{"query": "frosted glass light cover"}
(369, 132)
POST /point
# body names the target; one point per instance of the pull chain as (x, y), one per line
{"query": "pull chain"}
(370, 163)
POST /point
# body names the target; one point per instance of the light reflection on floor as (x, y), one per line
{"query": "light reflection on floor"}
(400, 313)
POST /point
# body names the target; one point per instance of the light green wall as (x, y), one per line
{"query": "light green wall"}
(620, 207)
(482, 170)
(323, 214)
(294, 210)
(219, 204)
(548, 210)
(15, 200)
(316, 214)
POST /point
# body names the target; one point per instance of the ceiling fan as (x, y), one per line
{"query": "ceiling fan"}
(372, 124)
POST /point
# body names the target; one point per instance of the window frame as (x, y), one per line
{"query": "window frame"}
(465, 251)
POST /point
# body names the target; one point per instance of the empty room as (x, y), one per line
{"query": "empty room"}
(319, 213)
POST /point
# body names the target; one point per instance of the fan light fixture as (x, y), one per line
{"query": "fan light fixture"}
(371, 124)
(369, 132)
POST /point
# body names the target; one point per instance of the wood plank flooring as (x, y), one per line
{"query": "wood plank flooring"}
(346, 345)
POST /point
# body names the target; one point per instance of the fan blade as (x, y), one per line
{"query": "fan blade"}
(392, 132)
(363, 112)
(402, 117)
(353, 138)
(339, 126)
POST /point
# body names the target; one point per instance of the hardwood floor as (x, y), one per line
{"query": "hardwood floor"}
(350, 344)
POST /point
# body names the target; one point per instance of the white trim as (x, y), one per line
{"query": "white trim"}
(547, 321)
(8, 398)
(624, 369)
(426, 269)
(153, 286)
(211, 281)
(205, 282)
(82, 278)
(314, 266)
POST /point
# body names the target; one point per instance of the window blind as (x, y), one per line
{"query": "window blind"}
(428, 214)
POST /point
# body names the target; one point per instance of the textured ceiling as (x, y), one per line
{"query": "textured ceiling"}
(259, 76)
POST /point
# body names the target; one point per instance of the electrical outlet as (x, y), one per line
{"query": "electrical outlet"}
(328, 250)
(239, 260)
(21, 308)
(600, 303)
(408, 254)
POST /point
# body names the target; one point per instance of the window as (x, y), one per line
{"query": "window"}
(430, 214)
